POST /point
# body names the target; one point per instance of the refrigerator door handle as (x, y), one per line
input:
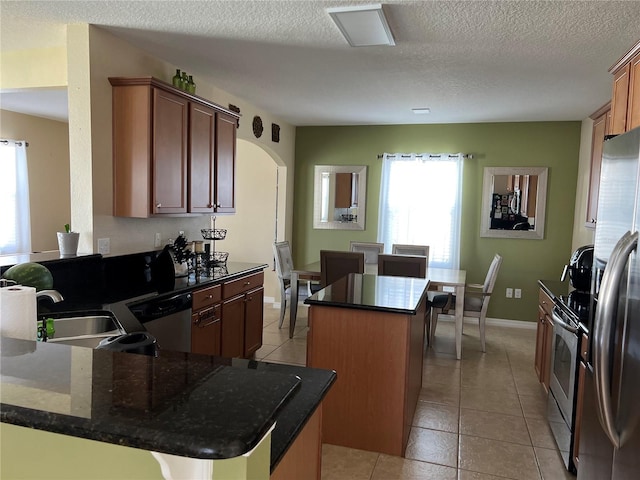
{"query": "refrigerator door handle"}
(605, 312)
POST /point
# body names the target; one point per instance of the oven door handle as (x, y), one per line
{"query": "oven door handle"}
(557, 320)
(605, 313)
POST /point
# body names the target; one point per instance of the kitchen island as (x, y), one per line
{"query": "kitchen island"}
(210, 409)
(370, 330)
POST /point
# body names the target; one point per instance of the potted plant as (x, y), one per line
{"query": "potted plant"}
(68, 241)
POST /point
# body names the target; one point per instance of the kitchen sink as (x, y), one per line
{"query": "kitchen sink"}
(84, 329)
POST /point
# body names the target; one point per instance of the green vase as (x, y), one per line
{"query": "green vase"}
(177, 79)
(191, 86)
(184, 81)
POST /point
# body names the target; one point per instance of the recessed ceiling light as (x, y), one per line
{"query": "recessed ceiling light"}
(421, 111)
(363, 26)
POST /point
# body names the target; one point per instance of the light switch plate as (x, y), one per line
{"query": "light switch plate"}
(518, 293)
(157, 240)
(509, 292)
(104, 246)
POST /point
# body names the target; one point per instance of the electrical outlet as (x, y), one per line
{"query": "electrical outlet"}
(104, 246)
(517, 293)
(157, 241)
(509, 292)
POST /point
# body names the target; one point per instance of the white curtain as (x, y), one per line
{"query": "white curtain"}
(15, 231)
(420, 197)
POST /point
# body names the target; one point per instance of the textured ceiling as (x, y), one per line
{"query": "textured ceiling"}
(469, 61)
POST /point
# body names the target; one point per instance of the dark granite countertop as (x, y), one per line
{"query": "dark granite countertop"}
(373, 292)
(118, 298)
(178, 403)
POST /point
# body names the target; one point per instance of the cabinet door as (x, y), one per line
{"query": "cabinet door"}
(202, 128)
(206, 331)
(169, 158)
(225, 180)
(232, 342)
(633, 102)
(548, 348)
(540, 343)
(600, 129)
(253, 320)
(619, 100)
(579, 407)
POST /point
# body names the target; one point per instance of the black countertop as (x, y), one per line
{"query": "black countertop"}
(373, 292)
(178, 403)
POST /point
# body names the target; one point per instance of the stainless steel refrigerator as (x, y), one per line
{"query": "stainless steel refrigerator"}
(609, 445)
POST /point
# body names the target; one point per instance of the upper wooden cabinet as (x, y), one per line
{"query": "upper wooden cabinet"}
(173, 152)
(625, 100)
(601, 121)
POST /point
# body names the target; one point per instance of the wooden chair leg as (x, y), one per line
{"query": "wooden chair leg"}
(481, 324)
(433, 324)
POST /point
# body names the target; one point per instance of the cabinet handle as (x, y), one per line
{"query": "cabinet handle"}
(246, 284)
(210, 297)
(158, 205)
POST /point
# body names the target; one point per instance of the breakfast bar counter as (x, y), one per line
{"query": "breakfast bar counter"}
(370, 330)
(180, 404)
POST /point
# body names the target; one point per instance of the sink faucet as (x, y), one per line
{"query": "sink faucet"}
(53, 295)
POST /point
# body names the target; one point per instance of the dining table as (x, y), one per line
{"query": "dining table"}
(440, 279)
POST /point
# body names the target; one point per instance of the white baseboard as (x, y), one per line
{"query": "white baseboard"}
(498, 322)
(275, 304)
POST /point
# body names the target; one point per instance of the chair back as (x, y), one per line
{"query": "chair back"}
(402, 265)
(371, 250)
(492, 274)
(284, 260)
(337, 264)
(400, 249)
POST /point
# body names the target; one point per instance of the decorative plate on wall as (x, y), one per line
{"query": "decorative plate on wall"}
(257, 126)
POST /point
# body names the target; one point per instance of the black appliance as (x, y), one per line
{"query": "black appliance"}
(168, 319)
(579, 268)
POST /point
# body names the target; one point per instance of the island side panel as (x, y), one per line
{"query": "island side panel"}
(369, 350)
(415, 363)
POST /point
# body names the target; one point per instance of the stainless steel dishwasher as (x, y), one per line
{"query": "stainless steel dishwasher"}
(168, 319)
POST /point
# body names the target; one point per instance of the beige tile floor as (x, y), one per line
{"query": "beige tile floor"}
(480, 418)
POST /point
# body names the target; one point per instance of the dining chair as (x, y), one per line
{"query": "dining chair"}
(402, 265)
(402, 249)
(371, 250)
(476, 301)
(336, 264)
(284, 265)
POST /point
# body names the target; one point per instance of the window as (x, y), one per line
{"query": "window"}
(420, 198)
(15, 232)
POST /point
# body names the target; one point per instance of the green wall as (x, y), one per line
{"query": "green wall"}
(551, 144)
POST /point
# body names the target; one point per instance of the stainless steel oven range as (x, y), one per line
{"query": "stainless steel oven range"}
(563, 380)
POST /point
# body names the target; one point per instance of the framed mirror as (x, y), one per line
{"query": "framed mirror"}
(514, 202)
(339, 197)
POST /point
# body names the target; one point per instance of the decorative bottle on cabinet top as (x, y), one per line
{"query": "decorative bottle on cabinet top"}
(184, 82)
(177, 79)
(191, 86)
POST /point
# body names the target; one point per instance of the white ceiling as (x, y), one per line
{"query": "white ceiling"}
(469, 61)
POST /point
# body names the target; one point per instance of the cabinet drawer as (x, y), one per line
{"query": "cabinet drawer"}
(546, 302)
(207, 296)
(241, 285)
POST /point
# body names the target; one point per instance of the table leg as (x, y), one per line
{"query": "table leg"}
(293, 308)
(459, 319)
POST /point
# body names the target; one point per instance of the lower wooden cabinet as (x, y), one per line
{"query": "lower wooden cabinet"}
(242, 324)
(303, 459)
(227, 319)
(206, 329)
(582, 371)
(544, 339)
